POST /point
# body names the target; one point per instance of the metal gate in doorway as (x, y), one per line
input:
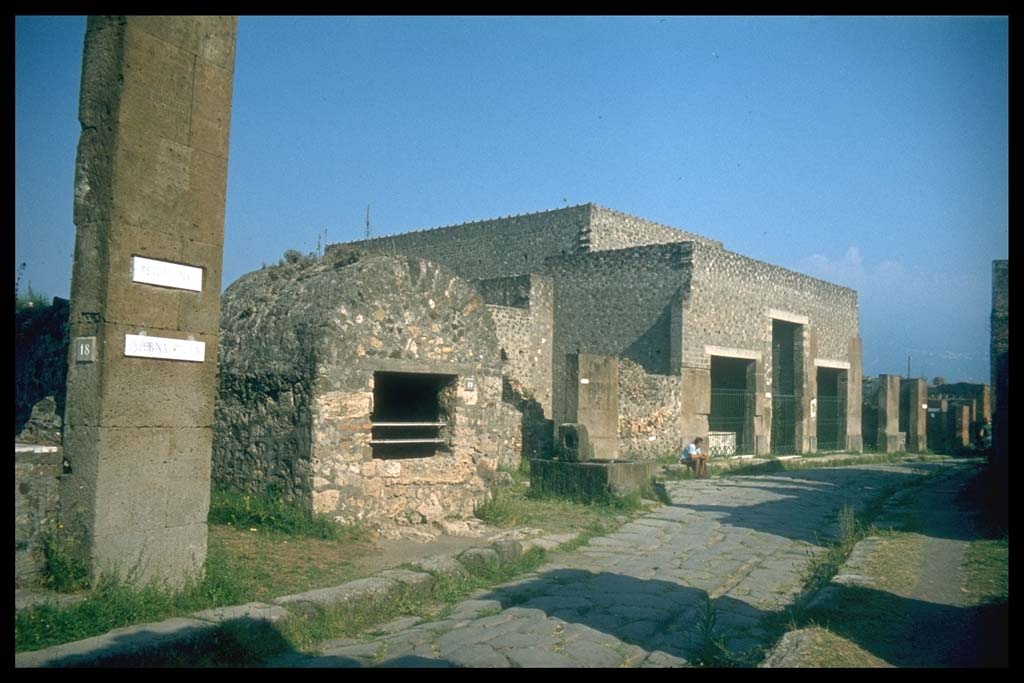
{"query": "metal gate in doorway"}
(783, 424)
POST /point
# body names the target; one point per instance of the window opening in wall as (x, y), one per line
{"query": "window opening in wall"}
(785, 337)
(413, 414)
(831, 409)
(731, 421)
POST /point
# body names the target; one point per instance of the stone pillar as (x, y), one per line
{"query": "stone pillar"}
(808, 440)
(696, 403)
(1000, 358)
(150, 182)
(594, 396)
(917, 417)
(959, 426)
(854, 388)
(889, 414)
(985, 402)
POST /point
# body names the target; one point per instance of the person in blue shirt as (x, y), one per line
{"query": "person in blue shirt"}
(693, 458)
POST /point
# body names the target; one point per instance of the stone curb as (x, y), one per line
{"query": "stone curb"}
(146, 639)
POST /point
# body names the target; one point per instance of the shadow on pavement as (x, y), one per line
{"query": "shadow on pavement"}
(793, 493)
(914, 633)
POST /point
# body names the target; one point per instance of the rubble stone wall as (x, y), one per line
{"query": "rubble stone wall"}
(622, 303)
(327, 327)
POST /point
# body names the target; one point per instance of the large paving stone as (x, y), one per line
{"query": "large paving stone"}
(353, 591)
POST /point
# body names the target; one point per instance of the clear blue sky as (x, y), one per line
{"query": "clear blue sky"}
(871, 152)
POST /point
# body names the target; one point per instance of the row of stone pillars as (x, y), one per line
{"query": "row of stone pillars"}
(913, 395)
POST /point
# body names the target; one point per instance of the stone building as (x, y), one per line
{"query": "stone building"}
(709, 342)
(369, 389)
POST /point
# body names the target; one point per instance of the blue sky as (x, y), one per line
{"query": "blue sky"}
(871, 152)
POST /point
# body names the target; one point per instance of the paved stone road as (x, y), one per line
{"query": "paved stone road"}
(636, 596)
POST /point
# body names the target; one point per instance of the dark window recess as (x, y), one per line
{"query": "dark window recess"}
(413, 414)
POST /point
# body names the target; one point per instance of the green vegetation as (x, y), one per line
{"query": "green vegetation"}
(270, 513)
(519, 505)
(824, 565)
(65, 567)
(31, 300)
(826, 650)
(243, 643)
(842, 626)
(113, 604)
(259, 547)
(987, 569)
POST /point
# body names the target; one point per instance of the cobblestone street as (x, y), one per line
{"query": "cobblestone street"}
(636, 597)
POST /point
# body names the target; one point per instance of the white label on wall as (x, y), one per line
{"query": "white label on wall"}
(166, 274)
(163, 347)
(584, 381)
(85, 349)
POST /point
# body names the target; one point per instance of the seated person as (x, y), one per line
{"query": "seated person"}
(693, 458)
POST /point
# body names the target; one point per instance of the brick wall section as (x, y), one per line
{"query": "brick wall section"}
(593, 293)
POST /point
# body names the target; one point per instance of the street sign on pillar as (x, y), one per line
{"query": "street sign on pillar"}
(150, 183)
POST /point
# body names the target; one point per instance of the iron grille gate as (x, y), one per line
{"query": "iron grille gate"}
(831, 423)
(783, 424)
(732, 411)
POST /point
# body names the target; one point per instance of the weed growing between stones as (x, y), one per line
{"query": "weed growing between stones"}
(65, 564)
(521, 505)
(314, 625)
(713, 651)
(822, 566)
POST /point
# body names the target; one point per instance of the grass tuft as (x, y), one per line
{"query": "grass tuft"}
(269, 512)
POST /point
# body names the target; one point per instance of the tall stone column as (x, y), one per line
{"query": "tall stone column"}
(150, 183)
(854, 389)
(889, 414)
(917, 418)
(1000, 359)
(959, 426)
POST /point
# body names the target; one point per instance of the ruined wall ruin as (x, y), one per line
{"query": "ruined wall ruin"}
(324, 336)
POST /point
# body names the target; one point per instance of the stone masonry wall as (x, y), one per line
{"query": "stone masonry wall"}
(732, 301)
(499, 247)
(609, 229)
(618, 303)
(731, 295)
(265, 382)
(37, 473)
(331, 325)
(650, 407)
(522, 308)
